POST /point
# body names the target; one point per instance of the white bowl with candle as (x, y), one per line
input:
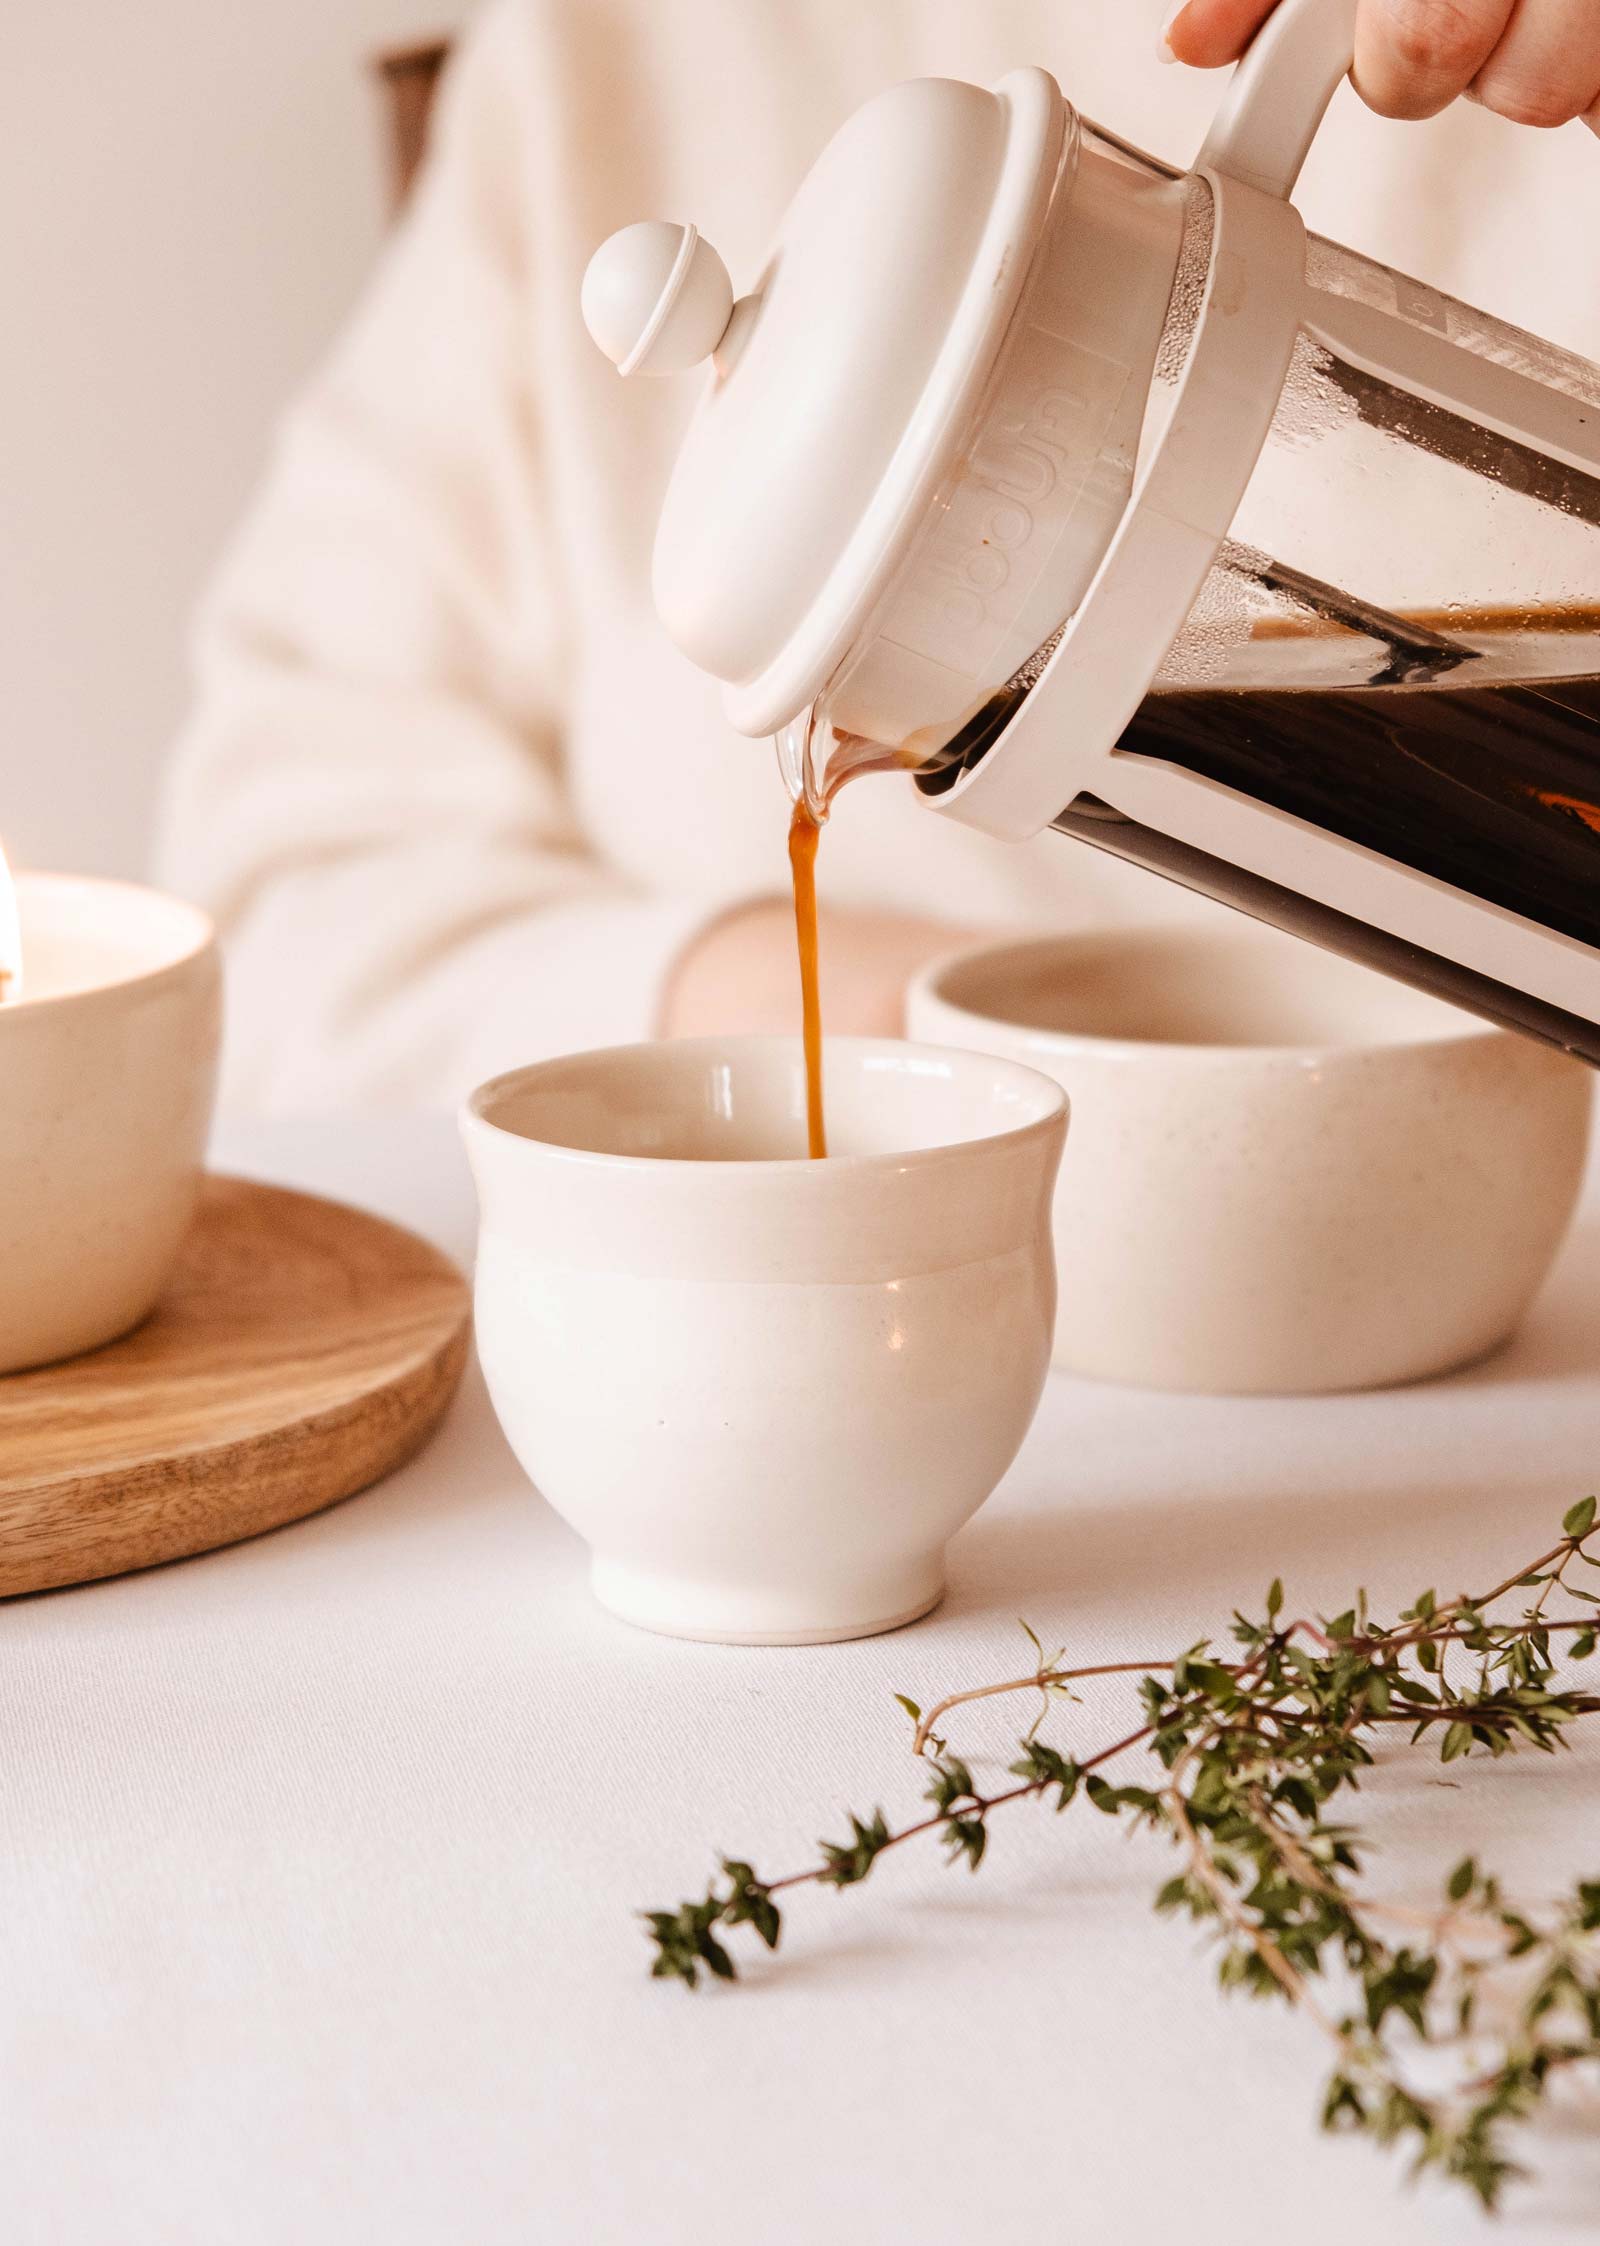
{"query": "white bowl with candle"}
(110, 1015)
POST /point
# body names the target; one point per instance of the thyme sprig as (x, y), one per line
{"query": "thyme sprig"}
(1447, 2024)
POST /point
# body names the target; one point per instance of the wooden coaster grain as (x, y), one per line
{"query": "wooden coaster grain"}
(302, 1350)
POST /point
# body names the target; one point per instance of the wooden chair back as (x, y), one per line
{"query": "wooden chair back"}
(408, 80)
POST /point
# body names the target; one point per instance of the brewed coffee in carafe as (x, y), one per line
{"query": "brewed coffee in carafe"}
(1486, 777)
(1489, 784)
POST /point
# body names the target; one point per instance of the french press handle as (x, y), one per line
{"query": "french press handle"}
(1280, 93)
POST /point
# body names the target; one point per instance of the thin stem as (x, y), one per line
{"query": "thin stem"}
(1429, 1629)
(1439, 1632)
(979, 1806)
(1249, 1752)
(1202, 1866)
(1561, 1551)
(1302, 1626)
(1036, 1683)
(1440, 1924)
(1447, 1711)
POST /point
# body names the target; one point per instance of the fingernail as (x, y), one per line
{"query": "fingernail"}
(1164, 41)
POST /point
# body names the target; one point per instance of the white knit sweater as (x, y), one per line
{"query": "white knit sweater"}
(453, 797)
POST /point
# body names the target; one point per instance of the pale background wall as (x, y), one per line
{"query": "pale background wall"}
(190, 191)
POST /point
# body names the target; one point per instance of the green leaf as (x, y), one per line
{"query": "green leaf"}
(850, 1861)
(1041, 1765)
(717, 1958)
(966, 1837)
(1275, 1599)
(750, 1903)
(1342, 2107)
(1301, 1798)
(1462, 1880)
(1401, 1987)
(910, 1707)
(952, 1782)
(1580, 1520)
(1343, 1625)
(1457, 1741)
(1582, 1646)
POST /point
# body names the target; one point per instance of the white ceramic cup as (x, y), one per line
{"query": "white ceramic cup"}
(766, 1391)
(1287, 1173)
(107, 1070)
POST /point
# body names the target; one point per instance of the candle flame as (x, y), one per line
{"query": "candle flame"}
(10, 935)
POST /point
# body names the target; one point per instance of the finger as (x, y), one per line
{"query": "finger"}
(1208, 33)
(1546, 68)
(1413, 57)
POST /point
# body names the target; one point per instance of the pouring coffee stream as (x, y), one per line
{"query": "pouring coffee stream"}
(1107, 499)
(805, 832)
(813, 792)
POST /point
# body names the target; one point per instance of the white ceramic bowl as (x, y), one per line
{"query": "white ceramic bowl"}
(1287, 1173)
(767, 1391)
(107, 1070)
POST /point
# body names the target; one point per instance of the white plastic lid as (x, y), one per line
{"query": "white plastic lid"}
(844, 385)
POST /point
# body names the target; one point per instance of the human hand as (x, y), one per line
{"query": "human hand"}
(743, 975)
(1534, 61)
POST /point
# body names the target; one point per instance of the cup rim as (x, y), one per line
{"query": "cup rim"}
(928, 981)
(199, 941)
(1054, 1110)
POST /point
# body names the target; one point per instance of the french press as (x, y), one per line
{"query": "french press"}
(1108, 499)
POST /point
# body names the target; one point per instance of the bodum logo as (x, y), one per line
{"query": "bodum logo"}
(1004, 516)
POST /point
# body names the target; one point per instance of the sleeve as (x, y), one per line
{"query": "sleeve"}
(369, 794)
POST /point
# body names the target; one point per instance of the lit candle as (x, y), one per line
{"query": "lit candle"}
(10, 935)
(109, 1024)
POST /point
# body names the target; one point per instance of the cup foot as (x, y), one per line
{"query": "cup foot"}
(674, 1608)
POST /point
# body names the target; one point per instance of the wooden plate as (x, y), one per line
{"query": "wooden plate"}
(302, 1350)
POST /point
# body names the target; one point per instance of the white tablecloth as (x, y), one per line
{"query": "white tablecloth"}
(317, 1857)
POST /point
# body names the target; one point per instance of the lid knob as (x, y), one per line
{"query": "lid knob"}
(656, 298)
